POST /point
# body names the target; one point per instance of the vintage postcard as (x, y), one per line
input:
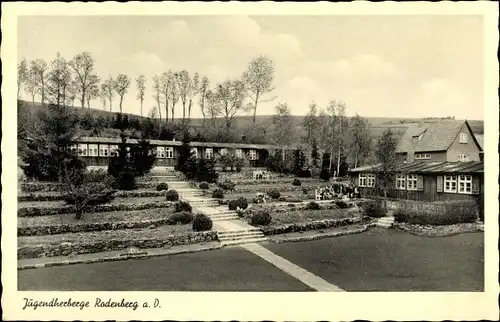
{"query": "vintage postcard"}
(250, 161)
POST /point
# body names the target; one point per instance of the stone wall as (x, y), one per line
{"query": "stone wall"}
(118, 194)
(313, 225)
(65, 249)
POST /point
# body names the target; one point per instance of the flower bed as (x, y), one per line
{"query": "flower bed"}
(312, 225)
(94, 242)
(66, 209)
(54, 196)
(439, 231)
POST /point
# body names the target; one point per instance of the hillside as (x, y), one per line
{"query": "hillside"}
(377, 124)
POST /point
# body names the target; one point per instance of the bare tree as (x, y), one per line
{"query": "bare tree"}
(212, 106)
(103, 95)
(194, 90)
(173, 93)
(73, 90)
(157, 93)
(360, 139)
(83, 66)
(283, 127)
(121, 85)
(153, 112)
(230, 96)
(141, 88)
(110, 92)
(31, 86)
(40, 68)
(184, 85)
(203, 95)
(167, 84)
(58, 80)
(22, 75)
(258, 79)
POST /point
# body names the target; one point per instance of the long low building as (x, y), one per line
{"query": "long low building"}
(425, 181)
(96, 151)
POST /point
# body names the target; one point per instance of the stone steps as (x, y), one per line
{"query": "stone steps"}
(385, 222)
(222, 217)
(244, 236)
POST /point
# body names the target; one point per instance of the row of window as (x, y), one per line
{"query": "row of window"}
(452, 184)
(422, 156)
(94, 150)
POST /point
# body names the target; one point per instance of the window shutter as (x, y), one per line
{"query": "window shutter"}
(439, 184)
(420, 183)
(475, 185)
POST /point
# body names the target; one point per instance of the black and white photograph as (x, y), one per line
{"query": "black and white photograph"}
(249, 152)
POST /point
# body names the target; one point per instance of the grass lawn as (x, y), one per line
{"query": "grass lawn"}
(391, 260)
(116, 201)
(229, 269)
(112, 216)
(103, 236)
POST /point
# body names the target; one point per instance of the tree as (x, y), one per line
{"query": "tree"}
(283, 127)
(311, 126)
(121, 86)
(141, 88)
(360, 139)
(212, 106)
(258, 79)
(186, 162)
(386, 157)
(72, 93)
(108, 87)
(142, 157)
(230, 96)
(40, 68)
(184, 84)
(157, 93)
(204, 84)
(83, 66)
(93, 89)
(299, 160)
(168, 88)
(340, 133)
(31, 86)
(121, 167)
(173, 92)
(194, 90)
(22, 75)
(58, 80)
(103, 95)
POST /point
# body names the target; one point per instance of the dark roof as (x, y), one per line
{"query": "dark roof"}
(429, 167)
(435, 137)
(480, 140)
(105, 140)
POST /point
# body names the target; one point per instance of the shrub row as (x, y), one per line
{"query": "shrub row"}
(47, 211)
(313, 225)
(436, 213)
(117, 194)
(240, 203)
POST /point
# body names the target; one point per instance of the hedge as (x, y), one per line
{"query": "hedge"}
(436, 213)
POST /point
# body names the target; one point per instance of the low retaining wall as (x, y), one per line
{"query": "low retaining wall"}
(118, 194)
(65, 249)
(439, 231)
(47, 211)
(313, 225)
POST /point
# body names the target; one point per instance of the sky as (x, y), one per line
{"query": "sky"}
(387, 66)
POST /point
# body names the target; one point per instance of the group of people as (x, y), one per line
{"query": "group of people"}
(336, 191)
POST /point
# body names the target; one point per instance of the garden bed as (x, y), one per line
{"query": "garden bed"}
(56, 196)
(277, 229)
(441, 230)
(58, 224)
(94, 242)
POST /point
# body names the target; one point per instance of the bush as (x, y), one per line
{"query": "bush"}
(204, 185)
(341, 204)
(436, 214)
(296, 182)
(182, 206)
(273, 193)
(218, 194)
(202, 222)
(313, 206)
(172, 195)
(324, 174)
(304, 173)
(206, 170)
(162, 186)
(183, 218)
(227, 185)
(305, 190)
(240, 203)
(374, 209)
(126, 181)
(261, 218)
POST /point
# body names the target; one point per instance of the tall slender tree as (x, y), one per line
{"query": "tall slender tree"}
(93, 89)
(31, 85)
(121, 85)
(204, 84)
(283, 127)
(141, 88)
(83, 66)
(58, 80)
(360, 139)
(22, 75)
(230, 96)
(386, 156)
(40, 70)
(157, 93)
(110, 91)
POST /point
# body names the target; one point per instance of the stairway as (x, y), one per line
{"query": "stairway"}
(241, 236)
(228, 215)
(385, 222)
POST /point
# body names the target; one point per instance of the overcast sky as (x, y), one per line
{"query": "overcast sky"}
(394, 66)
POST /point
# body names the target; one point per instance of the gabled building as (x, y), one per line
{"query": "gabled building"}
(446, 141)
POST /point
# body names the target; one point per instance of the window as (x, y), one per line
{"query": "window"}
(209, 153)
(223, 151)
(113, 149)
(93, 150)
(463, 137)
(415, 139)
(463, 158)
(422, 156)
(370, 180)
(103, 150)
(412, 181)
(450, 184)
(169, 152)
(239, 153)
(194, 151)
(400, 182)
(362, 180)
(464, 184)
(73, 148)
(253, 155)
(82, 150)
(160, 152)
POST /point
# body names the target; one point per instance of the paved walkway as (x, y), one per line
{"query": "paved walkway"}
(299, 273)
